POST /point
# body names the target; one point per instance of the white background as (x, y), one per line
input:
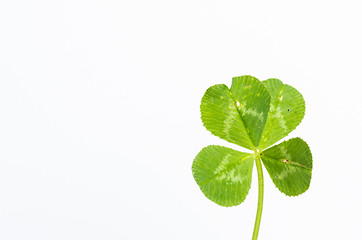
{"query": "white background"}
(100, 122)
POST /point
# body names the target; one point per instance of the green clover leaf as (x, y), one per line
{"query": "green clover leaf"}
(223, 174)
(253, 115)
(289, 165)
(286, 111)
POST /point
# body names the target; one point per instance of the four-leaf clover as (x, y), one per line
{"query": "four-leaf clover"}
(253, 115)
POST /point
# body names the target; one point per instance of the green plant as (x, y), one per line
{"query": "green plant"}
(254, 115)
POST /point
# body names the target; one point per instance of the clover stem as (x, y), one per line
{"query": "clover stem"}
(260, 196)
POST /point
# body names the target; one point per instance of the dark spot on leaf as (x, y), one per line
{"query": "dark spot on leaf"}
(248, 85)
(288, 109)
